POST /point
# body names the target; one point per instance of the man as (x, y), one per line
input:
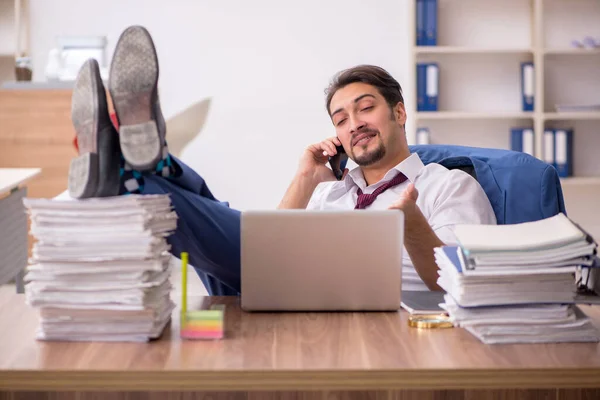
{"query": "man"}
(367, 110)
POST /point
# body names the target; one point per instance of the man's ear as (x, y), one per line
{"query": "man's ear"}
(400, 113)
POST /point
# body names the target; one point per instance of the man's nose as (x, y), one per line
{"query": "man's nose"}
(355, 124)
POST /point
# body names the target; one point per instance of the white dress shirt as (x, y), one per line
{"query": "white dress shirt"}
(446, 198)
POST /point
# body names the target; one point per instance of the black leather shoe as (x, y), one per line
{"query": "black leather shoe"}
(133, 88)
(95, 172)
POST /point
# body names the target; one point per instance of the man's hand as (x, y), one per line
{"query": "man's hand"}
(314, 160)
(407, 201)
(419, 238)
(311, 171)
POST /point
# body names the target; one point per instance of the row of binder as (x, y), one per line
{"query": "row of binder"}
(427, 19)
(428, 86)
(557, 147)
(521, 139)
(423, 136)
(558, 150)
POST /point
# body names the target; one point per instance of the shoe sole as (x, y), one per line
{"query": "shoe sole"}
(83, 170)
(133, 88)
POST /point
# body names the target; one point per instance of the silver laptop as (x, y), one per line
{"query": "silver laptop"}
(298, 260)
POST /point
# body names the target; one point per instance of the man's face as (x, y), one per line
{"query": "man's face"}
(364, 123)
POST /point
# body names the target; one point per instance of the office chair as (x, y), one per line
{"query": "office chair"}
(520, 187)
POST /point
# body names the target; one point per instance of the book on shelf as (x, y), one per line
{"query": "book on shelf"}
(427, 86)
(558, 150)
(420, 25)
(548, 154)
(527, 86)
(421, 87)
(426, 22)
(563, 152)
(431, 22)
(522, 139)
(423, 136)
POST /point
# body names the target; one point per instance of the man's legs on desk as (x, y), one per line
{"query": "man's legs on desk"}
(136, 160)
(208, 230)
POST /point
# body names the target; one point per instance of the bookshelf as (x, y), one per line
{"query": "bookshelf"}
(468, 50)
(465, 115)
(584, 180)
(480, 46)
(556, 116)
(571, 52)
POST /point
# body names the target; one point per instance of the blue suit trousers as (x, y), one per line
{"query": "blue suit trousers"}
(207, 229)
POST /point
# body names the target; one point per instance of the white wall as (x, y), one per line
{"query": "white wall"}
(263, 63)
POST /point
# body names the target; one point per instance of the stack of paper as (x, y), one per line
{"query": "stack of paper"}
(13, 240)
(536, 323)
(503, 284)
(100, 268)
(516, 283)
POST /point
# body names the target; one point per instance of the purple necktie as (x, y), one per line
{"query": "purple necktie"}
(365, 200)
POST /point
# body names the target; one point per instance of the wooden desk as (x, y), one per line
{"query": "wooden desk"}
(307, 355)
(14, 222)
(13, 178)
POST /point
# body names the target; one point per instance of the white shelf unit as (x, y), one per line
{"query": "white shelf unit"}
(480, 46)
(581, 180)
(466, 115)
(572, 52)
(573, 115)
(469, 50)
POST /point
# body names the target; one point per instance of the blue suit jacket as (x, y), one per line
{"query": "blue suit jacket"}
(520, 187)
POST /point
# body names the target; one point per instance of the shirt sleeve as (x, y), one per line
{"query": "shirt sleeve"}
(317, 198)
(461, 200)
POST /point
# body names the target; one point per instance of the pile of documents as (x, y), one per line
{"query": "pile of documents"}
(100, 267)
(516, 283)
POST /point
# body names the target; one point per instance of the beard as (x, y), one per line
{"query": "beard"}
(368, 158)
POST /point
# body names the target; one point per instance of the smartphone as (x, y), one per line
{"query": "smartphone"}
(338, 162)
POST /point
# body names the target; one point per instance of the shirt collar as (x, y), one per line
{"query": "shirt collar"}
(411, 167)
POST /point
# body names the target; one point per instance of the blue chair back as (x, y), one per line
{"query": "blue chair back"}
(520, 187)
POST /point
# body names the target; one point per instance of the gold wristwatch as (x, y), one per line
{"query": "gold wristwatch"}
(426, 321)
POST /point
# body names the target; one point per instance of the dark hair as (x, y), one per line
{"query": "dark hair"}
(375, 76)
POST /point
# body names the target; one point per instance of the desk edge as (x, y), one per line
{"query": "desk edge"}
(33, 173)
(550, 378)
